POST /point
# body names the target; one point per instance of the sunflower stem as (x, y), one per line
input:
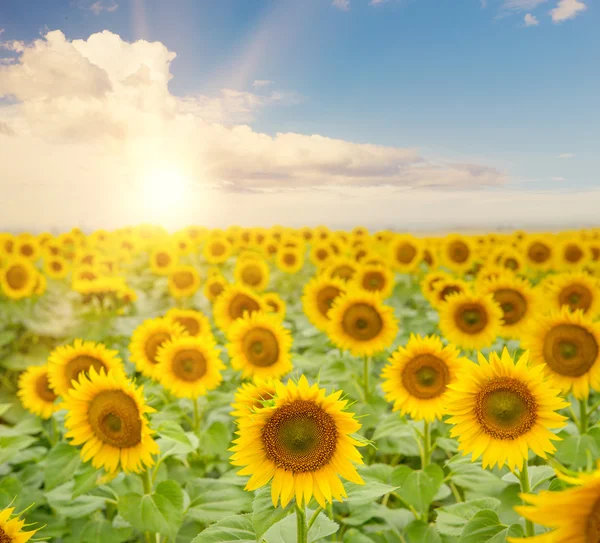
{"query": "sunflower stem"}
(302, 528)
(55, 431)
(366, 372)
(196, 415)
(426, 445)
(147, 483)
(314, 517)
(583, 416)
(525, 489)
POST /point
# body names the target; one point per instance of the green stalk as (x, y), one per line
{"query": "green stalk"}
(196, 415)
(147, 482)
(526, 489)
(583, 416)
(426, 446)
(366, 372)
(301, 526)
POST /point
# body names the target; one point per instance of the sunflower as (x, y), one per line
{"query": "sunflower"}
(576, 291)
(342, 267)
(234, 302)
(194, 322)
(217, 249)
(539, 252)
(318, 297)
(320, 253)
(500, 409)
(189, 366)
(7, 243)
(470, 321)
(41, 285)
(375, 278)
(184, 281)
(35, 392)
(573, 514)
(252, 272)
(512, 260)
(302, 442)
(405, 252)
(289, 260)
(418, 375)
(146, 340)
(429, 282)
(27, 247)
(106, 413)
(274, 304)
(252, 396)
(259, 346)
(361, 323)
(490, 270)
(18, 278)
(163, 259)
(567, 344)
(214, 286)
(56, 267)
(518, 301)
(11, 530)
(67, 363)
(571, 253)
(445, 288)
(458, 253)
(307, 233)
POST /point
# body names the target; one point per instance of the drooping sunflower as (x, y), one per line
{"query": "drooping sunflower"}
(184, 281)
(189, 366)
(289, 260)
(417, 378)
(317, 299)
(470, 321)
(446, 287)
(457, 253)
(259, 346)
(302, 443)
(500, 409)
(217, 249)
(11, 529)
(375, 278)
(214, 287)
(576, 290)
(56, 267)
(361, 323)
(146, 340)
(18, 278)
(252, 273)
(567, 344)
(35, 392)
(539, 252)
(274, 304)
(194, 322)
(518, 300)
(405, 252)
(163, 259)
(233, 303)
(252, 396)
(106, 413)
(67, 363)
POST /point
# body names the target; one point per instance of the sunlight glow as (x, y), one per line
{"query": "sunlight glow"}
(164, 190)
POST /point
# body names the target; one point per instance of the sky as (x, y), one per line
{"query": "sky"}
(417, 115)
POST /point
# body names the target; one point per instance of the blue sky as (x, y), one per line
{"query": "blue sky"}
(460, 81)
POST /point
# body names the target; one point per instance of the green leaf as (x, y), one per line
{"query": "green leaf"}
(173, 431)
(85, 480)
(4, 407)
(214, 500)
(101, 531)
(370, 491)
(393, 435)
(233, 529)
(61, 463)
(61, 500)
(577, 451)
(264, 515)
(10, 446)
(537, 476)
(354, 536)
(215, 440)
(421, 532)
(284, 531)
(451, 519)
(484, 527)
(419, 490)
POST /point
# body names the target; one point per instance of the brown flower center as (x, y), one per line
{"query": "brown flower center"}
(216, 288)
(570, 350)
(344, 272)
(362, 322)
(321, 254)
(183, 279)
(425, 376)
(513, 304)
(217, 248)
(26, 250)
(42, 387)
(325, 298)
(82, 364)
(16, 277)
(260, 347)
(153, 343)
(4, 537)
(189, 365)
(289, 259)
(115, 419)
(573, 253)
(190, 324)
(592, 530)
(539, 252)
(252, 275)
(471, 318)
(163, 260)
(447, 290)
(240, 304)
(576, 296)
(405, 253)
(373, 280)
(458, 251)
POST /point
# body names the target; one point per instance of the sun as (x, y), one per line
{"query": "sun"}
(164, 188)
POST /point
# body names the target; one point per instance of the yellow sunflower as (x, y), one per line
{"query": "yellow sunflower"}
(445, 288)
(575, 290)
(41, 285)
(146, 340)
(35, 392)
(27, 247)
(233, 303)
(500, 409)
(567, 344)
(289, 260)
(490, 270)
(56, 267)
(418, 375)
(361, 323)
(189, 366)
(302, 443)
(274, 304)
(539, 252)
(259, 346)
(11, 529)
(67, 363)
(512, 260)
(217, 249)
(194, 322)
(214, 287)
(571, 253)
(518, 300)
(457, 253)
(470, 321)
(317, 299)
(406, 253)
(341, 267)
(106, 413)
(252, 273)
(320, 254)
(184, 281)
(252, 396)
(7, 243)
(18, 278)
(429, 282)
(163, 259)
(375, 278)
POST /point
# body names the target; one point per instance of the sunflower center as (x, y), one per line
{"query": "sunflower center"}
(189, 365)
(576, 297)
(26, 250)
(273, 306)
(241, 304)
(570, 350)
(152, 345)
(447, 290)
(300, 437)
(56, 266)
(289, 259)
(427, 257)
(115, 419)
(252, 275)
(538, 252)
(373, 281)
(592, 531)
(190, 324)
(362, 322)
(425, 376)
(163, 260)
(344, 272)
(573, 253)
(42, 387)
(406, 253)
(82, 364)
(458, 252)
(4, 537)
(217, 249)
(261, 348)
(513, 304)
(183, 279)
(511, 264)
(16, 277)
(322, 254)
(216, 289)
(471, 318)
(505, 408)
(325, 298)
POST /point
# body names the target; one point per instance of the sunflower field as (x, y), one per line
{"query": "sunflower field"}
(283, 385)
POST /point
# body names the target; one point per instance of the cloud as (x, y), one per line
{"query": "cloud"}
(521, 5)
(566, 155)
(261, 83)
(558, 179)
(98, 7)
(344, 5)
(567, 9)
(376, 2)
(531, 20)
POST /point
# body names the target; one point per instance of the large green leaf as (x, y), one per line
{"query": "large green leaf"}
(577, 451)
(451, 519)
(212, 501)
(485, 527)
(61, 463)
(233, 529)
(264, 515)
(421, 532)
(418, 490)
(370, 491)
(101, 531)
(284, 531)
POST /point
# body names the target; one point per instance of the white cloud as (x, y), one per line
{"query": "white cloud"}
(521, 5)
(261, 83)
(344, 5)
(557, 179)
(567, 9)
(566, 155)
(531, 20)
(98, 7)
(376, 2)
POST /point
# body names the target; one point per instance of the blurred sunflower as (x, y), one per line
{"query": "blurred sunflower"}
(252, 396)
(457, 253)
(7, 243)
(406, 253)
(252, 273)
(184, 281)
(35, 392)
(217, 250)
(575, 290)
(318, 297)
(538, 251)
(375, 278)
(429, 283)
(163, 259)
(274, 304)
(214, 287)
(341, 267)
(194, 322)
(56, 267)
(571, 253)
(27, 247)
(233, 303)
(18, 278)
(320, 254)
(447, 287)
(289, 260)
(11, 529)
